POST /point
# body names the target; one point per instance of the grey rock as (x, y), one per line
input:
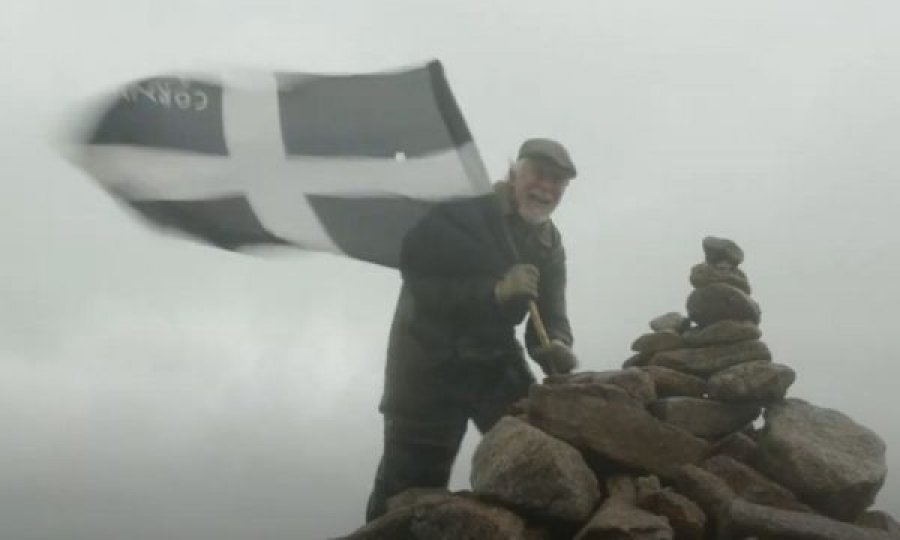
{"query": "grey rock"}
(720, 302)
(703, 417)
(637, 360)
(653, 342)
(829, 461)
(738, 446)
(604, 420)
(705, 274)
(522, 467)
(718, 250)
(671, 321)
(669, 382)
(444, 518)
(752, 485)
(758, 382)
(745, 519)
(708, 360)
(721, 332)
(712, 494)
(621, 520)
(686, 518)
(415, 496)
(636, 382)
(882, 521)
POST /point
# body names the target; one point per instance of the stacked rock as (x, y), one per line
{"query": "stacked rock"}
(712, 372)
(664, 449)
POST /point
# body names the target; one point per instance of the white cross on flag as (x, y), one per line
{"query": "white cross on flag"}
(338, 163)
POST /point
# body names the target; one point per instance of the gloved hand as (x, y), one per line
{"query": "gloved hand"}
(556, 358)
(521, 280)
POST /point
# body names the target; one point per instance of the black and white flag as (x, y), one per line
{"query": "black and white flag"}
(338, 163)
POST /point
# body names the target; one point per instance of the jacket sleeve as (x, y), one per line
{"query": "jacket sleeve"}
(435, 265)
(552, 304)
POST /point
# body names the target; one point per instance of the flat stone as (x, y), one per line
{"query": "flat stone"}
(744, 519)
(447, 518)
(721, 332)
(752, 485)
(712, 494)
(881, 521)
(636, 382)
(671, 321)
(606, 421)
(637, 360)
(522, 467)
(719, 250)
(757, 382)
(653, 342)
(669, 383)
(705, 274)
(706, 361)
(704, 417)
(829, 461)
(621, 520)
(720, 302)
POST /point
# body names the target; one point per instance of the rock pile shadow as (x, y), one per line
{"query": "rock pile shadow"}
(694, 438)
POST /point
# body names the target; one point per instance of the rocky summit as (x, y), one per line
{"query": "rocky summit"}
(695, 438)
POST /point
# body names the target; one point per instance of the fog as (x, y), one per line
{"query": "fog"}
(157, 388)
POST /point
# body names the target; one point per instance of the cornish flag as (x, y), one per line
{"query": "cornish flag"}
(338, 163)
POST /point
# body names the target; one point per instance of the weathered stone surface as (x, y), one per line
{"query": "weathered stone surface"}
(414, 496)
(604, 420)
(752, 485)
(876, 519)
(637, 360)
(685, 517)
(757, 382)
(703, 417)
(523, 467)
(671, 321)
(829, 461)
(719, 250)
(652, 342)
(721, 332)
(620, 520)
(720, 302)
(705, 274)
(743, 519)
(709, 360)
(446, 518)
(737, 446)
(669, 382)
(636, 382)
(712, 494)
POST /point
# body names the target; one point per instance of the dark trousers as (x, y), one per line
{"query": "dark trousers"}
(420, 447)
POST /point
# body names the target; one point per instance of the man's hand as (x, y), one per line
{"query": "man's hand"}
(556, 358)
(520, 281)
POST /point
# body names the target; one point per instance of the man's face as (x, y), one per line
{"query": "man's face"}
(537, 189)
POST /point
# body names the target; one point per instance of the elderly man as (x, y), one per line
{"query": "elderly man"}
(470, 269)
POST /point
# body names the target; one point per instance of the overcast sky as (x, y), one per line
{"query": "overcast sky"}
(155, 388)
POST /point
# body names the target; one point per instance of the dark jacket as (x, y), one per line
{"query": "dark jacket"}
(449, 339)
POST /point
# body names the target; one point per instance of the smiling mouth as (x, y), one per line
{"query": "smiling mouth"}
(540, 199)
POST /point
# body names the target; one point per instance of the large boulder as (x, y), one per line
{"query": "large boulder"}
(523, 467)
(708, 360)
(704, 417)
(604, 420)
(720, 302)
(444, 518)
(828, 460)
(758, 382)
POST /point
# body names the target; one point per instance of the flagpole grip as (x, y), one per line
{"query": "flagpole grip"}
(538, 324)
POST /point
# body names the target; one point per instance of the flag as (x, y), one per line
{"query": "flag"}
(338, 163)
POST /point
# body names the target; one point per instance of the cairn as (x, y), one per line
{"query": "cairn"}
(666, 447)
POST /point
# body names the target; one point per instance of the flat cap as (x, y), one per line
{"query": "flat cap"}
(549, 150)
